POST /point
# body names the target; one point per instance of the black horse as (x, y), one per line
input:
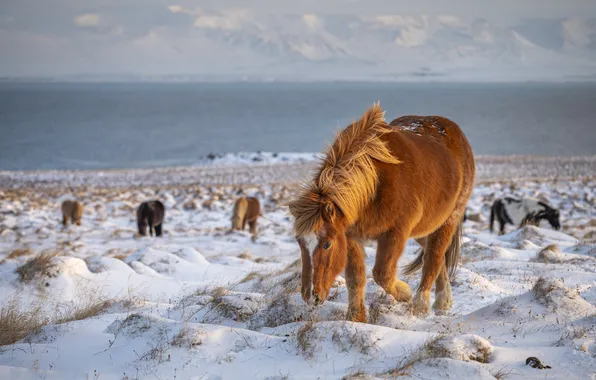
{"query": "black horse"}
(150, 214)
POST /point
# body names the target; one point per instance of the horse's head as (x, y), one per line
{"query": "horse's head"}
(548, 213)
(329, 256)
(552, 216)
(142, 225)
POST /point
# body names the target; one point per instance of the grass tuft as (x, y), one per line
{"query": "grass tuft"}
(38, 266)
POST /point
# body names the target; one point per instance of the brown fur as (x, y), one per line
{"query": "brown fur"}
(246, 210)
(387, 182)
(72, 211)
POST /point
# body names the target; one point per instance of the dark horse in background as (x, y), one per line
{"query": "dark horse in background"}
(150, 215)
(521, 212)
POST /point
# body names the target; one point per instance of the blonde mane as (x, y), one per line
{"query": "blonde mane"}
(347, 176)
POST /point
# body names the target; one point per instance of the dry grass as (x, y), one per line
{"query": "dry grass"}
(19, 252)
(245, 256)
(306, 339)
(363, 341)
(86, 310)
(17, 322)
(249, 277)
(122, 256)
(188, 338)
(572, 333)
(550, 247)
(431, 349)
(38, 266)
(356, 375)
(501, 373)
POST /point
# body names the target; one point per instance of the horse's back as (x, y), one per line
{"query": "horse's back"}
(437, 168)
(438, 129)
(155, 209)
(436, 138)
(254, 208)
(66, 206)
(72, 208)
(158, 210)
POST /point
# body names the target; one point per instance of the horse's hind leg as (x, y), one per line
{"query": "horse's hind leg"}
(356, 281)
(158, 230)
(389, 249)
(501, 228)
(443, 296)
(434, 263)
(252, 225)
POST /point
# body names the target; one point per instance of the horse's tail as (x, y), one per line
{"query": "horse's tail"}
(453, 252)
(492, 216)
(451, 255)
(415, 265)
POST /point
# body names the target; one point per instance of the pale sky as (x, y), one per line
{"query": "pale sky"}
(49, 37)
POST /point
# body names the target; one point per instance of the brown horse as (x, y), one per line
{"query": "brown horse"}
(71, 211)
(386, 182)
(246, 209)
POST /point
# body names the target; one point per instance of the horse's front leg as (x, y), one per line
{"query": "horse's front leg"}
(306, 285)
(356, 281)
(389, 249)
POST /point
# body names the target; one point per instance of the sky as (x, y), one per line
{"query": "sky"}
(63, 37)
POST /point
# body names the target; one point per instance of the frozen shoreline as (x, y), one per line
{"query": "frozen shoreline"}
(279, 168)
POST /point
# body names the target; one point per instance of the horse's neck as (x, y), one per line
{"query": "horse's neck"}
(530, 204)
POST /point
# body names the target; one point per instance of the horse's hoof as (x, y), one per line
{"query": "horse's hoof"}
(306, 295)
(443, 301)
(442, 307)
(403, 293)
(421, 305)
(357, 315)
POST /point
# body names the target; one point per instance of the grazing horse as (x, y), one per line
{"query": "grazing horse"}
(150, 215)
(72, 211)
(386, 182)
(520, 212)
(246, 209)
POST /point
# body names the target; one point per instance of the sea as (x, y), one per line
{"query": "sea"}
(134, 125)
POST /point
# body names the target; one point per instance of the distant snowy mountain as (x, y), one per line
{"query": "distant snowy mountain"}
(239, 45)
(394, 45)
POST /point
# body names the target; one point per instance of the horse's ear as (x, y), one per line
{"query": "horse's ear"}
(328, 211)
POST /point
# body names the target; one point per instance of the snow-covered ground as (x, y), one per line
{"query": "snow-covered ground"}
(256, 168)
(204, 303)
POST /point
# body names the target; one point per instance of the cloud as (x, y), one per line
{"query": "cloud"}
(177, 9)
(228, 21)
(87, 20)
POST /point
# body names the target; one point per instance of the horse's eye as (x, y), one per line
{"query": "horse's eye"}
(327, 245)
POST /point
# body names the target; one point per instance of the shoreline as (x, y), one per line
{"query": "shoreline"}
(238, 169)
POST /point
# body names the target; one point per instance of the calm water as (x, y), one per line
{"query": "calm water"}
(71, 126)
